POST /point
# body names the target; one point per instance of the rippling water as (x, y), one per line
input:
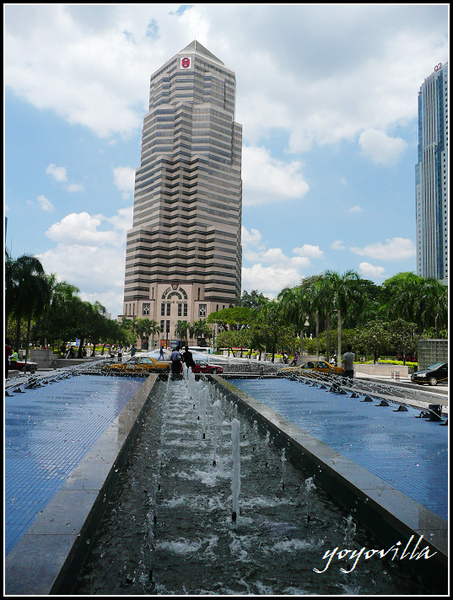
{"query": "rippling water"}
(168, 528)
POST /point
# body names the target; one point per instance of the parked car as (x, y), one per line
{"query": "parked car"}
(202, 366)
(432, 375)
(138, 364)
(20, 365)
(320, 366)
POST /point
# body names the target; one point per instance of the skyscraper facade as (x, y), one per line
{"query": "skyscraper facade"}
(183, 253)
(431, 176)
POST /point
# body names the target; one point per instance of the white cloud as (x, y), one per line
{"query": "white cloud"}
(97, 271)
(310, 81)
(250, 238)
(58, 173)
(337, 245)
(395, 249)
(309, 251)
(123, 220)
(269, 280)
(75, 187)
(381, 148)
(90, 258)
(272, 270)
(45, 204)
(356, 208)
(267, 180)
(276, 257)
(82, 229)
(367, 270)
(124, 179)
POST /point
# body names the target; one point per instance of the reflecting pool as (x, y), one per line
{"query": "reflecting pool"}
(169, 528)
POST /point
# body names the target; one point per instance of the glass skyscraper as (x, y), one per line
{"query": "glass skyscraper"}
(183, 255)
(431, 175)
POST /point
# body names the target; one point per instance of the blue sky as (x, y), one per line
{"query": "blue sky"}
(326, 95)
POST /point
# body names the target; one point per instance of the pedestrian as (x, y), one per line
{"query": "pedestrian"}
(175, 361)
(188, 358)
(120, 354)
(161, 353)
(348, 362)
(133, 350)
(294, 361)
(285, 358)
(13, 360)
(8, 352)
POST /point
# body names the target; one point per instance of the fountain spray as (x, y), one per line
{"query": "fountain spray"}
(236, 478)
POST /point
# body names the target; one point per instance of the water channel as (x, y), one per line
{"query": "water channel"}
(169, 527)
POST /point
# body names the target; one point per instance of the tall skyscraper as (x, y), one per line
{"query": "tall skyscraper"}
(183, 254)
(431, 176)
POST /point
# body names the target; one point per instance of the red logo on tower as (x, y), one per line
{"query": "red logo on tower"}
(186, 63)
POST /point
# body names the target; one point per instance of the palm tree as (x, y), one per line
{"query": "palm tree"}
(56, 319)
(433, 304)
(270, 320)
(295, 307)
(400, 297)
(200, 329)
(343, 294)
(415, 299)
(315, 306)
(325, 302)
(150, 327)
(181, 329)
(27, 293)
(99, 322)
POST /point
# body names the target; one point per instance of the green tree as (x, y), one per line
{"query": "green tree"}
(343, 294)
(150, 329)
(423, 301)
(182, 329)
(295, 305)
(235, 317)
(270, 320)
(200, 329)
(374, 338)
(253, 300)
(27, 292)
(227, 339)
(403, 337)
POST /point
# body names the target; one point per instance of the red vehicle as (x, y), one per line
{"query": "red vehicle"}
(20, 366)
(202, 366)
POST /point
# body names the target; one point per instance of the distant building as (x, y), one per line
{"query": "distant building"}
(183, 255)
(431, 176)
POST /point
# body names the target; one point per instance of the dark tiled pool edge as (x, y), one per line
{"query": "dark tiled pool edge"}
(52, 550)
(390, 514)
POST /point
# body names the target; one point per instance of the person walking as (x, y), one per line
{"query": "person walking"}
(294, 361)
(120, 354)
(13, 360)
(188, 358)
(348, 362)
(161, 353)
(8, 352)
(175, 361)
